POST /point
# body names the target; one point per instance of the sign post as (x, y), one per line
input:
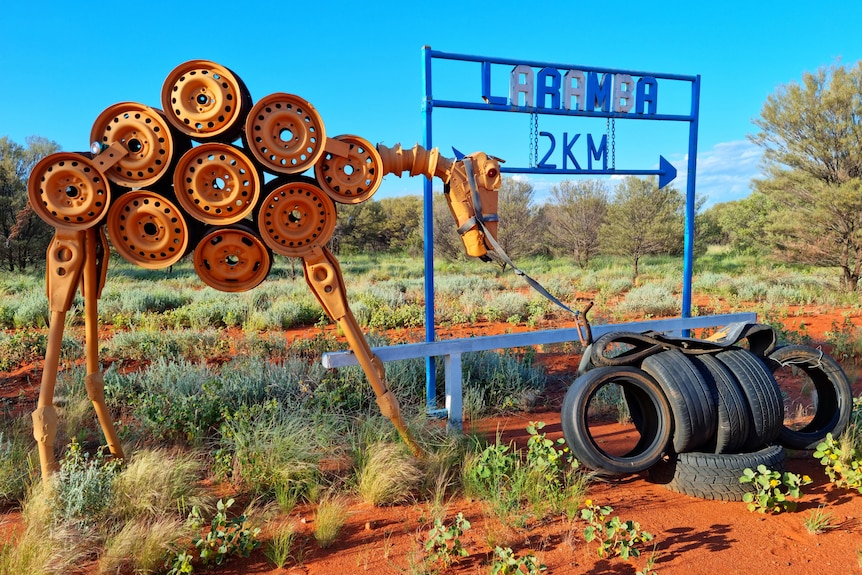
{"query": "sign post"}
(541, 88)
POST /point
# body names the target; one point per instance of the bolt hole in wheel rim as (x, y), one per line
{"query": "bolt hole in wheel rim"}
(285, 133)
(216, 184)
(232, 260)
(147, 230)
(295, 218)
(353, 179)
(205, 100)
(67, 191)
(146, 136)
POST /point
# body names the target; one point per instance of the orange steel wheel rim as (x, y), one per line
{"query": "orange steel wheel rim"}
(353, 179)
(232, 260)
(204, 100)
(147, 229)
(216, 183)
(295, 218)
(285, 133)
(144, 133)
(68, 192)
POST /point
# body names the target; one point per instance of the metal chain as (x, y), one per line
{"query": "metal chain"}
(534, 139)
(613, 143)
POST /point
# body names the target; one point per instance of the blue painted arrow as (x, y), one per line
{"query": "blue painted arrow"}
(666, 172)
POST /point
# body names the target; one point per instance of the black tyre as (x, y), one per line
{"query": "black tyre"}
(692, 400)
(621, 348)
(831, 400)
(763, 395)
(715, 476)
(647, 405)
(734, 418)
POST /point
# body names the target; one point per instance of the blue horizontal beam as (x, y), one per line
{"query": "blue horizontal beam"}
(434, 103)
(509, 340)
(514, 62)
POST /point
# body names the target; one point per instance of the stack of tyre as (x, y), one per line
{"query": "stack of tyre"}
(703, 413)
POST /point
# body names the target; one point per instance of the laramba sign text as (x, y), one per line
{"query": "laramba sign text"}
(575, 91)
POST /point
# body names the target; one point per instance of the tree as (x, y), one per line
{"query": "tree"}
(521, 226)
(643, 219)
(519, 232)
(575, 214)
(403, 226)
(447, 242)
(741, 224)
(810, 133)
(25, 236)
(359, 228)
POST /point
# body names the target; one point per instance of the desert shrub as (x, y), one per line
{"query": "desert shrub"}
(83, 488)
(846, 340)
(748, 288)
(32, 310)
(712, 282)
(146, 344)
(21, 346)
(501, 381)
(131, 299)
(507, 305)
(650, 300)
(288, 313)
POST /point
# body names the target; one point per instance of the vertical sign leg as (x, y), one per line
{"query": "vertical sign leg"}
(454, 393)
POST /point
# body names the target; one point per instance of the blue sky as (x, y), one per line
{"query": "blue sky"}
(359, 64)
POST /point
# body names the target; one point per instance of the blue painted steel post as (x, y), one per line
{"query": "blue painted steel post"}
(688, 263)
(428, 222)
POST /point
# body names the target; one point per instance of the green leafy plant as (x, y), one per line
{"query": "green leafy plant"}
(615, 537)
(507, 563)
(818, 521)
(226, 537)
(773, 489)
(443, 544)
(179, 563)
(842, 457)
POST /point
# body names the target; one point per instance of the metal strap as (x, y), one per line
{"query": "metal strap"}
(498, 249)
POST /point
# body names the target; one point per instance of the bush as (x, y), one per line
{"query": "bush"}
(83, 488)
(500, 381)
(650, 300)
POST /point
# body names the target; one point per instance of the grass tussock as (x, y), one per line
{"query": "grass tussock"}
(329, 518)
(142, 545)
(157, 481)
(389, 474)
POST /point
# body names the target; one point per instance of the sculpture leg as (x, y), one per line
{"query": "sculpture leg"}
(323, 275)
(94, 262)
(65, 260)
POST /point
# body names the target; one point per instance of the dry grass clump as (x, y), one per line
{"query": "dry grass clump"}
(142, 545)
(389, 474)
(329, 518)
(157, 482)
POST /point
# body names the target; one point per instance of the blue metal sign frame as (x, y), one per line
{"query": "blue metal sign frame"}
(590, 79)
